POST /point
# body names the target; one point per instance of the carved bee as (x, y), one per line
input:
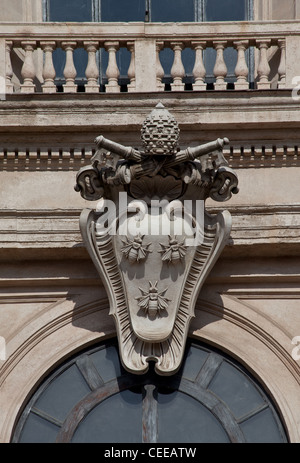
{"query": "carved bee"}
(134, 249)
(153, 302)
(174, 251)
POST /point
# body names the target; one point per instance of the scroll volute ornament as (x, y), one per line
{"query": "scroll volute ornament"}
(150, 237)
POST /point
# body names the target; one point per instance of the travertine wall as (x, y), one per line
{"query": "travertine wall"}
(276, 9)
(21, 10)
(48, 284)
(52, 302)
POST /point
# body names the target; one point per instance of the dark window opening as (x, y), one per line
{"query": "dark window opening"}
(153, 11)
(92, 399)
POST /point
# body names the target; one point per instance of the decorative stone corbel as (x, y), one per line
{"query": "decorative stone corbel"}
(150, 237)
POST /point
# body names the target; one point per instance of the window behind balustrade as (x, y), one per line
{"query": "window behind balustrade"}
(148, 11)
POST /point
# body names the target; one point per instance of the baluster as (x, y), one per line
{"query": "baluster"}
(131, 69)
(112, 71)
(159, 69)
(241, 69)
(48, 71)
(92, 71)
(282, 64)
(263, 69)
(177, 70)
(9, 71)
(69, 70)
(199, 71)
(28, 70)
(220, 69)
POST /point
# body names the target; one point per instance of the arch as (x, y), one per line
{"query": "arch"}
(223, 403)
(73, 325)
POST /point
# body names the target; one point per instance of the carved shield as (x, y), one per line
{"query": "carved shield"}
(153, 275)
(153, 282)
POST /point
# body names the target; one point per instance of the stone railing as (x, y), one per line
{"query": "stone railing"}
(26, 55)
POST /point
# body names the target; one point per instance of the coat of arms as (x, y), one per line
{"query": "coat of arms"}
(150, 237)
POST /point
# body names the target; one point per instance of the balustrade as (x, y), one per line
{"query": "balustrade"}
(97, 79)
(48, 69)
(69, 70)
(131, 69)
(199, 71)
(159, 69)
(8, 71)
(112, 70)
(282, 64)
(220, 69)
(28, 69)
(177, 70)
(263, 69)
(241, 69)
(92, 70)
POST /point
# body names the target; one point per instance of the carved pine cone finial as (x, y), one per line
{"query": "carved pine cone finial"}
(160, 132)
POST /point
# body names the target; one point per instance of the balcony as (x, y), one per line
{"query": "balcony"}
(263, 55)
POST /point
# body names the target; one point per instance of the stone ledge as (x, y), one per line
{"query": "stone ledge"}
(192, 110)
(256, 230)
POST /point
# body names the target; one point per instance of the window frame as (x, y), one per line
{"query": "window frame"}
(199, 16)
(195, 382)
(199, 10)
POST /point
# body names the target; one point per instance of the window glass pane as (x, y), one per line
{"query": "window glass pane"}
(261, 428)
(70, 10)
(184, 418)
(172, 10)
(175, 406)
(107, 363)
(116, 419)
(38, 431)
(193, 362)
(225, 10)
(235, 389)
(123, 11)
(62, 394)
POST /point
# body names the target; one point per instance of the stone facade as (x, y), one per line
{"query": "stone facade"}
(52, 301)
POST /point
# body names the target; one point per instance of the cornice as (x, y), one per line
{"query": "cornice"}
(165, 31)
(65, 157)
(244, 109)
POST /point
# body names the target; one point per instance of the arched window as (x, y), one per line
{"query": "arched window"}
(148, 11)
(91, 399)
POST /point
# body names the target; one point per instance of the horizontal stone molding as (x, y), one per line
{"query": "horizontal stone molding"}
(109, 32)
(109, 112)
(54, 230)
(238, 155)
(44, 159)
